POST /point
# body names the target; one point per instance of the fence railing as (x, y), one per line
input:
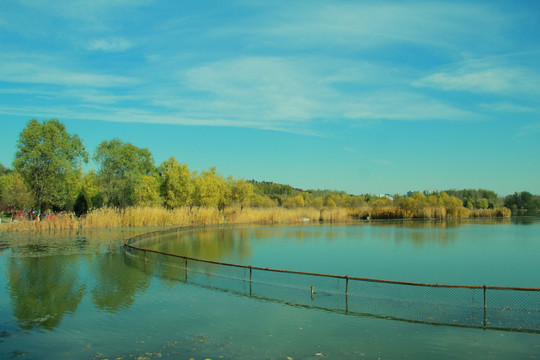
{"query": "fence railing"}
(479, 306)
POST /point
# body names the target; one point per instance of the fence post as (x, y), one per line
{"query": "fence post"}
(485, 307)
(346, 294)
(250, 271)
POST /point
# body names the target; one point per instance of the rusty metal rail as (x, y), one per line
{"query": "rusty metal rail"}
(510, 308)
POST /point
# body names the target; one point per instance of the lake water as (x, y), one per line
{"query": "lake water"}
(76, 296)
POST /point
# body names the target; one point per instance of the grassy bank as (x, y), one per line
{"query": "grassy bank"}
(184, 216)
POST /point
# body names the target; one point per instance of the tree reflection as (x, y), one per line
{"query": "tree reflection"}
(43, 289)
(117, 284)
(215, 243)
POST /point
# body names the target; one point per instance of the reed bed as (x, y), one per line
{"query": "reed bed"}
(186, 216)
(490, 213)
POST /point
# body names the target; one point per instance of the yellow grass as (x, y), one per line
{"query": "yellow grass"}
(185, 216)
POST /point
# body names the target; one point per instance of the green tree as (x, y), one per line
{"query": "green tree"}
(122, 167)
(176, 183)
(4, 170)
(468, 203)
(295, 202)
(210, 189)
(91, 190)
(16, 195)
(49, 159)
(147, 193)
(482, 203)
(241, 192)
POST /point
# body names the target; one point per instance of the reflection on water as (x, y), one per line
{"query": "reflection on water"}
(465, 252)
(43, 289)
(43, 273)
(115, 288)
(77, 286)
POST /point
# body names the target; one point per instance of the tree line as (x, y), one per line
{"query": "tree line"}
(47, 176)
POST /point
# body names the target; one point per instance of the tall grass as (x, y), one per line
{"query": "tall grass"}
(185, 216)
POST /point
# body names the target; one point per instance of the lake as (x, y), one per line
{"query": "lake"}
(77, 296)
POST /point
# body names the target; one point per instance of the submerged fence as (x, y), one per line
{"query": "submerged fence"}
(504, 308)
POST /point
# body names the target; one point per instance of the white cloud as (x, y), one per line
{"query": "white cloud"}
(509, 107)
(485, 78)
(36, 73)
(110, 45)
(362, 24)
(388, 105)
(262, 88)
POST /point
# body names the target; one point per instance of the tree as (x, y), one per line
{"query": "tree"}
(295, 202)
(49, 159)
(210, 189)
(147, 193)
(4, 170)
(91, 191)
(176, 183)
(16, 194)
(241, 192)
(122, 168)
(522, 200)
(482, 203)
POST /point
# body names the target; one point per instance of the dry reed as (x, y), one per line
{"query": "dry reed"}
(186, 216)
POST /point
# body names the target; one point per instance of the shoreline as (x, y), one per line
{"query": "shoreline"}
(202, 216)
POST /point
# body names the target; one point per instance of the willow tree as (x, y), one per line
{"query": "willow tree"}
(49, 159)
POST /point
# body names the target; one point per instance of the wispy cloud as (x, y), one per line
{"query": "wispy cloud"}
(532, 129)
(360, 25)
(263, 88)
(509, 107)
(485, 78)
(34, 72)
(389, 105)
(110, 45)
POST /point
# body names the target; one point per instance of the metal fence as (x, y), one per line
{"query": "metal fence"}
(489, 307)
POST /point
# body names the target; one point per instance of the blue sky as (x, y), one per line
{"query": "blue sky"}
(360, 96)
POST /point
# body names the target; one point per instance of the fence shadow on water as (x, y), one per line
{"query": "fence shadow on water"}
(488, 307)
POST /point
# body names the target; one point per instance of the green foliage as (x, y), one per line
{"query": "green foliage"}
(241, 191)
(294, 202)
(522, 201)
(49, 160)
(270, 188)
(91, 190)
(482, 203)
(210, 189)
(81, 205)
(122, 168)
(147, 193)
(177, 186)
(14, 193)
(4, 170)
(469, 196)
(261, 201)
